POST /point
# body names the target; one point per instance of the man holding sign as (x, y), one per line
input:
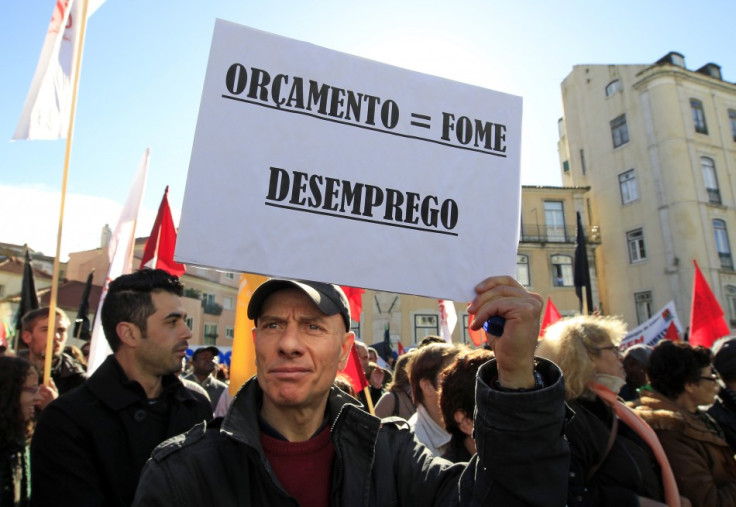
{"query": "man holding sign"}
(291, 437)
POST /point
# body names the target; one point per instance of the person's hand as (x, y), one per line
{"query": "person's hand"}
(376, 379)
(47, 394)
(514, 350)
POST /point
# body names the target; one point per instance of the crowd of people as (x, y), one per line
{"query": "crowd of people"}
(565, 419)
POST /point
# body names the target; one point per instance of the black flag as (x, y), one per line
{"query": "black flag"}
(81, 323)
(28, 297)
(581, 276)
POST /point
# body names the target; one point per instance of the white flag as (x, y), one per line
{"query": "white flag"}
(47, 108)
(120, 253)
(448, 319)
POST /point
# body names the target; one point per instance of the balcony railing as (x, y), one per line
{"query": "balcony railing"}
(537, 233)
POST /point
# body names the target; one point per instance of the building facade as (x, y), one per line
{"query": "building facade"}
(656, 145)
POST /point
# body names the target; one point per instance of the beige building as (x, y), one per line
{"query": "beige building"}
(656, 145)
(544, 265)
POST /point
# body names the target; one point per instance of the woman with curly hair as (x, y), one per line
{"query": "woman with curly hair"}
(613, 459)
(683, 380)
(18, 398)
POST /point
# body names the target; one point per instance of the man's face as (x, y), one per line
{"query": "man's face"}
(36, 338)
(164, 343)
(205, 363)
(298, 351)
(363, 356)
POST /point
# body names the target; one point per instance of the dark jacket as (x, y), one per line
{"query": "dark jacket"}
(723, 411)
(628, 470)
(522, 456)
(66, 372)
(701, 459)
(90, 445)
(15, 480)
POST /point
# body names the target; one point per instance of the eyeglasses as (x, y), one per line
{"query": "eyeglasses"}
(712, 377)
(613, 348)
(30, 390)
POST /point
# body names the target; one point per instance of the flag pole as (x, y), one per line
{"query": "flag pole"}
(67, 156)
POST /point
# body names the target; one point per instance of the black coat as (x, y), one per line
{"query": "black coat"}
(90, 445)
(723, 411)
(522, 456)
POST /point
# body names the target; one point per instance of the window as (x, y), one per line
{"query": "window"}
(619, 131)
(566, 166)
(355, 328)
(731, 301)
(696, 107)
(425, 325)
(582, 160)
(643, 302)
(227, 303)
(554, 219)
(190, 322)
(562, 271)
(613, 87)
(229, 332)
(710, 180)
(635, 240)
(722, 244)
(229, 275)
(732, 121)
(210, 334)
(208, 298)
(627, 185)
(522, 270)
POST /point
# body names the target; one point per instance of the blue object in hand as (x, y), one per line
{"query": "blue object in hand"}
(494, 325)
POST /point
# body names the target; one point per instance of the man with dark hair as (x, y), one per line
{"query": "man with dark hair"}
(635, 362)
(204, 363)
(291, 438)
(457, 401)
(91, 444)
(723, 409)
(66, 372)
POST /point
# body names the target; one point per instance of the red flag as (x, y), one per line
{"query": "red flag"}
(355, 298)
(478, 336)
(671, 334)
(551, 315)
(355, 371)
(706, 315)
(158, 253)
(400, 348)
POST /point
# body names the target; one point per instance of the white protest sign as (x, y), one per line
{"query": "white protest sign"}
(654, 329)
(314, 164)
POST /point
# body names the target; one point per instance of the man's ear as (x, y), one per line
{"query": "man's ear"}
(26, 337)
(128, 333)
(345, 348)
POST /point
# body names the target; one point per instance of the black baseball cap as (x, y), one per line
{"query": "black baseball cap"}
(329, 298)
(215, 351)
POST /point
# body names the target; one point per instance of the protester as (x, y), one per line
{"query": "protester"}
(204, 364)
(77, 355)
(375, 376)
(66, 372)
(612, 464)
(723, 409)
(636, 361)
(363, 354)
(85, 351)
(343, 382)
(683, 379)
(397, 400)
(91, 444)
(18, 398)
(424, 371)
(291, 438)
(457, 401)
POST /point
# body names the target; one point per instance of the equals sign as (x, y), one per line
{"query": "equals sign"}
(421, 117)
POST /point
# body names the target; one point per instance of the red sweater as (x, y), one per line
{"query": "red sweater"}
(304, 468)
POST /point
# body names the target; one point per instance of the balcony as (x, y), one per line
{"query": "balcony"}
(535, 233)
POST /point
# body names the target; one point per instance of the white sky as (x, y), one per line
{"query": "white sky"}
(144, 67)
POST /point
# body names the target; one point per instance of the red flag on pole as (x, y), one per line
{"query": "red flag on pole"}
(671, 334)
(551, 315)
(355, 298)
(706, 315)
(354, 370)
(478, 336)
(400, 349)
(158, 253)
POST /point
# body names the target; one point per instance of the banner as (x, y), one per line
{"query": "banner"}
(310, 163)
(653, 330)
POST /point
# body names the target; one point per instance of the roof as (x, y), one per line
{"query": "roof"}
(69, 296)
(14, 265)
